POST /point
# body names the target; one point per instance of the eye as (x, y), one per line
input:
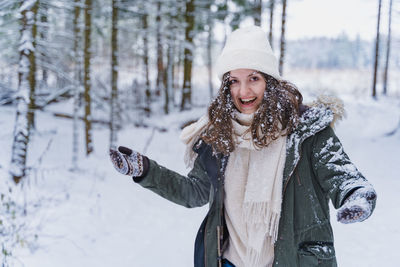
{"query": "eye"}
(233, 81)
(254, 78)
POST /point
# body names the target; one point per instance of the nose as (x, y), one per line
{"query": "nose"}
(244, 89)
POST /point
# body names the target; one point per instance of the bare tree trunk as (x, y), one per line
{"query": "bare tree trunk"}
(209, 48)
(226, 26)
(188, 56)
(271, 22)
(26, 89)
(169, 73)
(209, 59)
(257, 12)
(169, 76)
(86, 79)
(160, 61)
(283, 42)
(44, 21)
(146, 65)
(78, 82)
(32, 78)
(385, 75)
(376, 63)
(114, 75)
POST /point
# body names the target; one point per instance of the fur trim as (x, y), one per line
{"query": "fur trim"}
(334, 103)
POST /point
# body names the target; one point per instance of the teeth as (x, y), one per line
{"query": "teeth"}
(247, 100)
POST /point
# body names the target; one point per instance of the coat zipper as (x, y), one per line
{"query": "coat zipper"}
(205, 247)
(291, 174)
(221, 162)
(219, 227)
(219, 246)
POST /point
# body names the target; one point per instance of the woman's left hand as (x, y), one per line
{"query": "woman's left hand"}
(357, 207)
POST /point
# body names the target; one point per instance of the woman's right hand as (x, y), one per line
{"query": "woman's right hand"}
(127, 161)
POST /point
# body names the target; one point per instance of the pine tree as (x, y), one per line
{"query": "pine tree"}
(87, 79)
(376, 63)
(210, 28)
(188, 55)
(145, 27)
(77, 80)
(271, 22)
(283, 42)
(26, 90)
(160, 53)
(114, 74)
(385, 75)
(43, 12)
(257, 12)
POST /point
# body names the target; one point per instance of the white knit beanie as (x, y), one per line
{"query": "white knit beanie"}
(248, 48)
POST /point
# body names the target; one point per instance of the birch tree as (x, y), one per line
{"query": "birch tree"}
(26, 89)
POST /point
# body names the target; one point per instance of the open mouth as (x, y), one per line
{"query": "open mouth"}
(246, 101)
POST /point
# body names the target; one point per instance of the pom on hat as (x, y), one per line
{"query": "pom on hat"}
(248, 48)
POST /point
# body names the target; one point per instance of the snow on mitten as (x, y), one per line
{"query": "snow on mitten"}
(127, 161)
(357, 207)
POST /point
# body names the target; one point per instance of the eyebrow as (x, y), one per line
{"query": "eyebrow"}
(254, 72)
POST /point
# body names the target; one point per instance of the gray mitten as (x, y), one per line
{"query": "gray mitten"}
(127, 161)
(357, 207)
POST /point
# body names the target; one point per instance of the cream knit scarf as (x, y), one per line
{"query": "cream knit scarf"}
(254, 215)
(259, 206)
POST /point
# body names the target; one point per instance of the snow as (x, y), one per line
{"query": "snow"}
(97, 217)
(27, 5)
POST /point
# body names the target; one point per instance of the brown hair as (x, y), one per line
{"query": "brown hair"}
(277, 115)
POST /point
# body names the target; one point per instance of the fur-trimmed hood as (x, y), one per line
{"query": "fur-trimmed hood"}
(331, 103)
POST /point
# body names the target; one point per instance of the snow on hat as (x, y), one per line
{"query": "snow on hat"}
(248, 48)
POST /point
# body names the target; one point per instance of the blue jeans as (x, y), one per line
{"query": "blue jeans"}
(226, 263)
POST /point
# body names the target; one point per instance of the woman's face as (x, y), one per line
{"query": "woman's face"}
(247, 89)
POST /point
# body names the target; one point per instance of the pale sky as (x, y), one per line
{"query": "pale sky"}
(308, 18)
(332, 17)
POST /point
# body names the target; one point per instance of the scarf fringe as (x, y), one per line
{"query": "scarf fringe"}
(264, 214)
(254, 257)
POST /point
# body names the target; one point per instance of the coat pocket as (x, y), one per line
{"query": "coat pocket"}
(316, 253)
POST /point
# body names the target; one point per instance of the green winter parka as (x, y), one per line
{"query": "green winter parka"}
(317, 169)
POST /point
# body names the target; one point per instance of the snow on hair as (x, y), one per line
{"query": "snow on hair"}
(277, 115)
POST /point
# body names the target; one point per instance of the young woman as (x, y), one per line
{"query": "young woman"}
(266, 164)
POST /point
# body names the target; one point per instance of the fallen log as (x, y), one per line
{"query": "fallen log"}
(68, 116)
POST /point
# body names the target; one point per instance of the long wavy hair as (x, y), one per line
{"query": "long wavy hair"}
(277, 115)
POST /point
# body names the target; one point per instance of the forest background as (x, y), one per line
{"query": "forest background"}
(78, 77)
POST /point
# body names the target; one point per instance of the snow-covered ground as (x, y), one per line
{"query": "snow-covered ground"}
(97, 217)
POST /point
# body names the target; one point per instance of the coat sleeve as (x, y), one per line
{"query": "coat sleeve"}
(189, 191)
(336, 174)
